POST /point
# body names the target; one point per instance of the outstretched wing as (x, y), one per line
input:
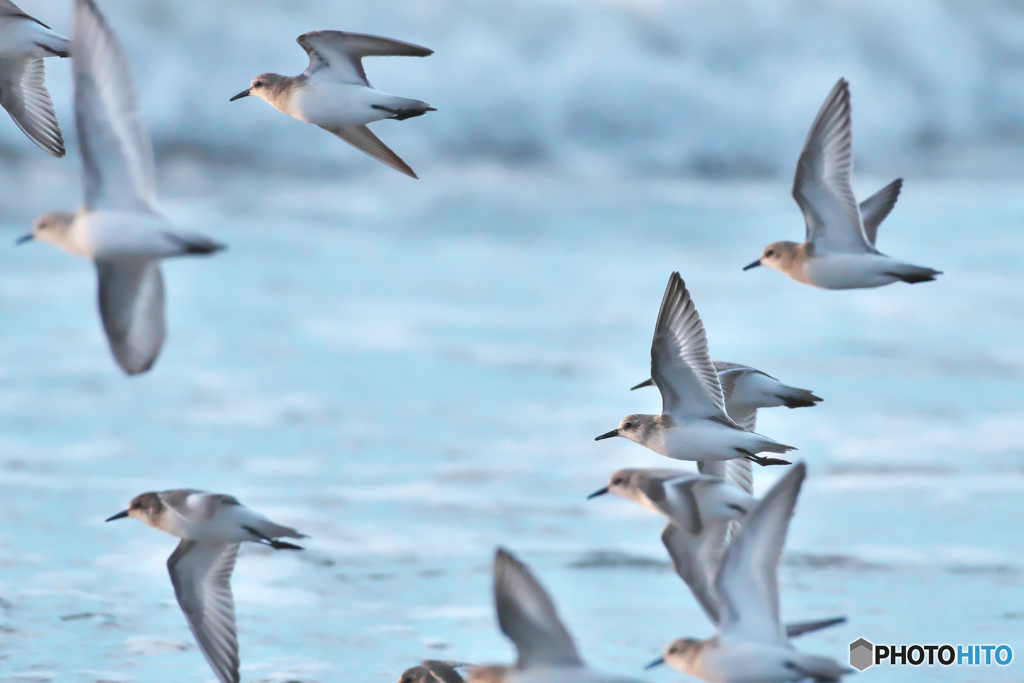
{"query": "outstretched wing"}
(201, 574)
(738, 471)
(528, 617)
(338, 56)
(696, 560)
(116, 152)
(747, 581)
(23, 94)
(680, 364)
(875, 208)
(822, 183)
(131, 299)
(363, 139)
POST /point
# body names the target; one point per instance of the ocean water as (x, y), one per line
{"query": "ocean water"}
(683, 87)
(412, 373)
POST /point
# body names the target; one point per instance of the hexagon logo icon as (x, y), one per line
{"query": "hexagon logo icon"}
(862, 654)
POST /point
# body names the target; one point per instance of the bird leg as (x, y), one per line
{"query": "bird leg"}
(761, 460)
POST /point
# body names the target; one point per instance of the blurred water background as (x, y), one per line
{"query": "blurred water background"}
(413, 372)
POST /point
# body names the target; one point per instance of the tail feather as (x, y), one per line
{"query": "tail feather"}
(797, 398)
(769, 446)
(915, 274)
(195, 244)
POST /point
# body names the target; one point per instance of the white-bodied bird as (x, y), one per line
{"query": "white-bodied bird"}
(751, 643)
(334, 93)
(24, 43)
(694, 423)
(839, 249)
(746, 390)
(117, 228)
(212, 527)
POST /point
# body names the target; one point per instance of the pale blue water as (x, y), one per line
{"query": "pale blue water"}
(413, 373)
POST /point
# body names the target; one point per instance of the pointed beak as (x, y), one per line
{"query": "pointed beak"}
(607, 435)
(24, 238)
(755, 264)
(657, 662)
(645, 383)
(119, 515)
(599, 492)
(244, 93)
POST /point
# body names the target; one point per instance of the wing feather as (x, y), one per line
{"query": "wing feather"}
(680, 364)
(747, 581)
(822, 187)
(131, 301)
(201, 575)
(363, 139)
(340, 54)
(875, 208)
(116, 152)
(528, 617)
(24, 95)
(696, 560)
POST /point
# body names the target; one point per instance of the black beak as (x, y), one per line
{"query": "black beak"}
(599, 492)
(755, 264)
(645, 383)
(24, 238)
(244, 93)
(119, 515)
(657, 662)
(608, 435)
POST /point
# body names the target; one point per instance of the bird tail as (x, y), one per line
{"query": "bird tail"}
(793, 397)
(403, 109)
(771, 446)
(194, 244)
(914, 274)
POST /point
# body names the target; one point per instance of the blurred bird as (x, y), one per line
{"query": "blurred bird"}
(694, 423)
(117, 229)
(752, 644)
(527, 616)
(24, 43)
(334, 93)
(212, 527)
(704, 513)
(839, 249)
(433, 671)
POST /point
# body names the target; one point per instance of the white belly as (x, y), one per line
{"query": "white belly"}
(705, 440)
(849, 271)
(113, 234)
(333, 104)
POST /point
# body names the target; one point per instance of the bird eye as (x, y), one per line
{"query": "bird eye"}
(258, 84)
(616, 481)
(628, 425)
(769, 252)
